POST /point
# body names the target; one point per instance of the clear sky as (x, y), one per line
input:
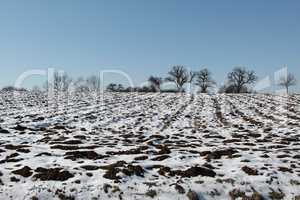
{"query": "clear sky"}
(147, 37)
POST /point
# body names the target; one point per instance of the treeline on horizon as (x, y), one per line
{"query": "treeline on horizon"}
(239, 80)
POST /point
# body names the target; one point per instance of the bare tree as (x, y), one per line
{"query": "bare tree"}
(61, 82)
(179, 76)
(192, 76)
(240, 77)
(93, 83)
(66, 80)
(56, 81)
(204, 80)
(287, 81)
(80, 85)
(155, 83)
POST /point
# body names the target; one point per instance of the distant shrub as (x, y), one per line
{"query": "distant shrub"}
(12, 89)
(232, 89)
(171, 91)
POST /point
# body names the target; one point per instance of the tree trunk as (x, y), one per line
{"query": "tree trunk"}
(238, 89)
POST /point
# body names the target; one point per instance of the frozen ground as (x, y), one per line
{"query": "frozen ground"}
(150, 146)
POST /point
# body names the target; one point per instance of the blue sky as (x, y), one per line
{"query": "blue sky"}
(146, 38)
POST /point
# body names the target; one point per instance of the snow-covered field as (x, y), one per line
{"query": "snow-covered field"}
(150, 146)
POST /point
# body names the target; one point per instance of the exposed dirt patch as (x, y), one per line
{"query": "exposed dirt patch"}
(92, 155)
(160, 158)
(129, 152)
(43, 154)
(238, 194)
(15, 147)
(130, 170)
(25, 171)
(179, 189)
(20, 128)
(250, 171)
(121, 166)
(73, 147)
(218, 154)
(52, 174)
(141, 158)
(190, 172)
(4, 131)
(151, 193)
(90, 167)
(192, 195)
(285, 169)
